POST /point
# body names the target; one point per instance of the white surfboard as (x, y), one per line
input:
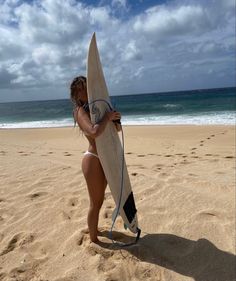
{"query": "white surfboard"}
(109, 148)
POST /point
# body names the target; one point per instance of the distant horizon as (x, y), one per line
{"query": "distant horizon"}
(147, 93)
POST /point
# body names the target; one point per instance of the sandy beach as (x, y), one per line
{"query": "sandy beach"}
(183, 179)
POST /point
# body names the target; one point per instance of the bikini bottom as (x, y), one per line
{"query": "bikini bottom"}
(91, 153)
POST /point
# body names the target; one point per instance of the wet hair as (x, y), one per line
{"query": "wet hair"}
(76, 81)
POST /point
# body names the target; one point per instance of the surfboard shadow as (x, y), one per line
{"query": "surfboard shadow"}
(200, 259)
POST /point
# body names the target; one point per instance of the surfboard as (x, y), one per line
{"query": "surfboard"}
(109, 146)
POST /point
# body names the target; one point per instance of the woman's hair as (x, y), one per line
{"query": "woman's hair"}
(76, 102)
(76, 81)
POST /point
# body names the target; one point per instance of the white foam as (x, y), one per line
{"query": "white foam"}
(225, 118)
(39, 124)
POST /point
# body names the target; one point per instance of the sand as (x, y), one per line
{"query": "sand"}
(183, 180)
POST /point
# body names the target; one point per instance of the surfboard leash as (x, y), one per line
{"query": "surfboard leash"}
(120, 244)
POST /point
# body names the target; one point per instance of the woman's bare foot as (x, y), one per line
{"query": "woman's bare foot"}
(96, 240)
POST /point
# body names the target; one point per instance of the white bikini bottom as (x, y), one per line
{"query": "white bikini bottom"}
(91, 153)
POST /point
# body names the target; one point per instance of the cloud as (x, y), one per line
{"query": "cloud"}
(173, 46)
(5, 78)
(161, 21)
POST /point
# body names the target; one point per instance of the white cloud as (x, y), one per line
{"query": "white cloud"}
(131, 52)
(161, 21)
(100, 15)
(163, 48)
(45, 55)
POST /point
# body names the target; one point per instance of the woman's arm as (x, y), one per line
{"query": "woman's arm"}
(94, 130)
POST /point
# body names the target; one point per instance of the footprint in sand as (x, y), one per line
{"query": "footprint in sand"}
(168, 155)
(159, 165)
(19, 239)
(25, 270)
(192, 175)
(185, 162)
(134, 174)
(23, 153)
(82, 237)
(159, 169)
(229, 157)
(2, 275)
(207, 214)
(37, 194)
(220, 173)
(94, 249)
(67, 154)
(141, 155)
(129, 153)
(26, 239)
(164, 175)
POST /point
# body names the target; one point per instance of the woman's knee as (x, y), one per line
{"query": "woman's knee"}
(96, 204)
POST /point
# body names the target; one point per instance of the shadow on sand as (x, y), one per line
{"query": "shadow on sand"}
(200, 259)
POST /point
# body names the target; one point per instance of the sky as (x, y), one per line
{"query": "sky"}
(145, 46)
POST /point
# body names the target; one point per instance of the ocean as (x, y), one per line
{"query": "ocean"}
(197, 107)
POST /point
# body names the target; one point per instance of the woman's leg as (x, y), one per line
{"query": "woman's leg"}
(96, 183)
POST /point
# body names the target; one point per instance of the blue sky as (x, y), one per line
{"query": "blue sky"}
(145, 46)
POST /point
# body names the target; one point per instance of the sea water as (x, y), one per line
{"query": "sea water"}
(198, 107)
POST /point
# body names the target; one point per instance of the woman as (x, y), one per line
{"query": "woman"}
(91, 166)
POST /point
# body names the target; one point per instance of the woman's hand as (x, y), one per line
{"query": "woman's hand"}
(113, 115)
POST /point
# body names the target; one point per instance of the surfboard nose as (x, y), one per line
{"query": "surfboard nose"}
(94, 36)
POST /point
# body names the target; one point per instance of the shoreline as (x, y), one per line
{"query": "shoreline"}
(127, 126)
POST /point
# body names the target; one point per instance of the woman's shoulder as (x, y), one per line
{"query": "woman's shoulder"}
(81, 113)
